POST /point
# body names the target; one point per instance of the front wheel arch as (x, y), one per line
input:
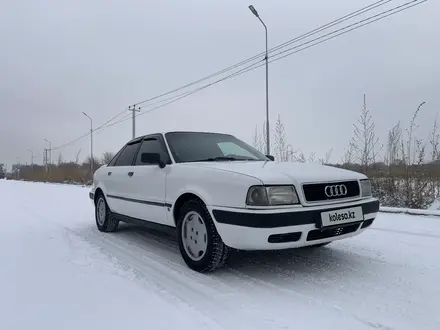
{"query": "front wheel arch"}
(217, 252)
(181, 201)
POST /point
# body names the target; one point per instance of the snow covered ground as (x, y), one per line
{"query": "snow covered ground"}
(58, 272)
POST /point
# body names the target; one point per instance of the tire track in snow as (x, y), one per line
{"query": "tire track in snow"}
(163, 251)
(180, 283)
(157, 267)
(141, 266)
(310, 271)
(263, 288)
(397, 231)
(205, 284)
(272, 286)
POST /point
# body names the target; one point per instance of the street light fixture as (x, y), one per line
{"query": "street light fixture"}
(255, 12)
(91, 144)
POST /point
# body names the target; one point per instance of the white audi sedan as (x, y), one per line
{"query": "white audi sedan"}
(219, 194)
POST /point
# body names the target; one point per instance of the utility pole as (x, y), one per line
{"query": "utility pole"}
(133, 109)
(50, 151)
(91, 145)
(45, 159)
(50, 156)
(32, 160)
(18, 168)
(254, 11)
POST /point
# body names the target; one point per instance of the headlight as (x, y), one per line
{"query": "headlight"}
(365, 188)
(271, 195)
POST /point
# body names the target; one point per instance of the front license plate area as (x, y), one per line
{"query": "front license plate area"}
(341, 216)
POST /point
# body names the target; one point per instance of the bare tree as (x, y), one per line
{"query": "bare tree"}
(434, 140)
(259, 138)
(394, 136)
(299, 157)
(326, 159)
(77, 156)
(256, 138)
(60, 158)
(421, 180)
(2, 171)
(365, 142)
(347, 158)
(86, 165)
(107, 157)
(280, 139)
(411, 157)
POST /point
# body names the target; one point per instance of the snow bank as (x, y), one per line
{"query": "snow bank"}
(430, 212)
(59, 272)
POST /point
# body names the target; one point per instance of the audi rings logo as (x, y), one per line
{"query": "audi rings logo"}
(337, 190)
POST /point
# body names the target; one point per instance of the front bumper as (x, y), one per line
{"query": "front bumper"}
(282, 229)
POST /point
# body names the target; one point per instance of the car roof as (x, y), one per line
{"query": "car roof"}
(139, 138)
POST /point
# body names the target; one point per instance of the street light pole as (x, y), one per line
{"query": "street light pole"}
(32, 160)
(91, 144)
(254, 11)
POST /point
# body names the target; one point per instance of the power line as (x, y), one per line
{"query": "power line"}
(301, 37)
(256, 65)
(186, 94)
(353, 26)
(331, 24)
(361, 23)
(88, 133)
(114, 117)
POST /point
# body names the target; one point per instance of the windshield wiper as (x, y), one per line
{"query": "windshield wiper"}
(220, 158)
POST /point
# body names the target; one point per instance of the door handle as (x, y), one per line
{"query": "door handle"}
(130, 173)
(109, 173)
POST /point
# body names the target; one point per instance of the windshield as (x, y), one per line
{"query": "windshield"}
(197, 147)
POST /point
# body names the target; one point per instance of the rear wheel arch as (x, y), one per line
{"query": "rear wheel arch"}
(98, 192)
(104, 217)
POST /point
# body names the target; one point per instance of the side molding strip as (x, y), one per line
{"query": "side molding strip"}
(140, 201)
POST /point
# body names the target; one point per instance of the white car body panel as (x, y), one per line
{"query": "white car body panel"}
(246, 238)
(230, 188)
(286, 172)
(151, 195)
(113, 184)
(147, 185)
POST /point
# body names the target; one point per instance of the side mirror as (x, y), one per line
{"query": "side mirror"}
(272, 158)
(152, 158)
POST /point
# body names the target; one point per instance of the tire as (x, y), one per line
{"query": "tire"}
(194, 221)
(108, 223)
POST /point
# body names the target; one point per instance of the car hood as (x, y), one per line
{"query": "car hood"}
(285, 172)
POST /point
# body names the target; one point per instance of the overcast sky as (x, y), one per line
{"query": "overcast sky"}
(59, 58)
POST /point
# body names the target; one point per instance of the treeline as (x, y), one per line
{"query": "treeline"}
(405, 171)
(62, 171)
